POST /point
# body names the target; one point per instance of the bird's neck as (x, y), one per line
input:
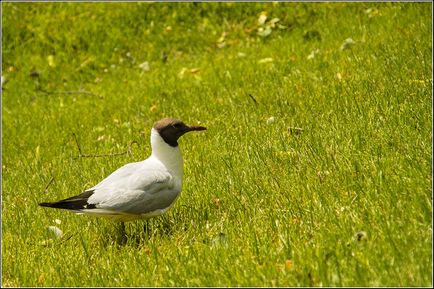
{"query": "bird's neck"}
(170, 156)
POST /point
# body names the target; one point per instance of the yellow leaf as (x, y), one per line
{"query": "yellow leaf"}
(37, 153)
(50, 60)
(265, 60)
(182, 72)
(288, 264)
(153, 108)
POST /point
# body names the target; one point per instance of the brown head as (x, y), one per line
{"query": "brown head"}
(171, 129)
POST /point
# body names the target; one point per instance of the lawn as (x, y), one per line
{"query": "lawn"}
(315, 170)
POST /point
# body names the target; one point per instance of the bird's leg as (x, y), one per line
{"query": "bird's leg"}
(122, 234)
(166, 225)
(122, 228)
(146, 228)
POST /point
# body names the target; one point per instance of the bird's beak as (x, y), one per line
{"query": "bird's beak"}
(195, 127)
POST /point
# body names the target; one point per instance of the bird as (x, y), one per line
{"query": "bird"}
(138, 190)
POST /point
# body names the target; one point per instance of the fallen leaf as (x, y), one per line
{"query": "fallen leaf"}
(264, 32)
(265, 60)
(37, 153)
(50, 60)
(182, 72)
(348, 43)
(313, 54)
(41, 278)
(221, 45)
(153, 108)
(270, 120)
(272, 23)
(222, 37)
(262, 18)
(56, 231)
(371, 12)
(144, 66)
(288, 264)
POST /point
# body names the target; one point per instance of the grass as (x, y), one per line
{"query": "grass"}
(315, 169)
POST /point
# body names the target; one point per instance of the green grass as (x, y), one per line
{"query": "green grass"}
(346, 201)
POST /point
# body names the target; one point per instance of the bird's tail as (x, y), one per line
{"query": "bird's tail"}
(78, 202)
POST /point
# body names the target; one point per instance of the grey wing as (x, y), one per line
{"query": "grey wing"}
(141, 192)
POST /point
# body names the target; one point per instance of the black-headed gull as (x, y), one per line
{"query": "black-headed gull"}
(139, 190)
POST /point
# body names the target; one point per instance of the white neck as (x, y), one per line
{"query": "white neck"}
(171, 157)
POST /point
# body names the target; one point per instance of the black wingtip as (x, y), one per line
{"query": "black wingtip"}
(74, 203)
(45, 204)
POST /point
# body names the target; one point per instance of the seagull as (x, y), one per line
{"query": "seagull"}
(139, 190)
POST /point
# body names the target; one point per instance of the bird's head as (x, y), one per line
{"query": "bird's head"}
(171, 129)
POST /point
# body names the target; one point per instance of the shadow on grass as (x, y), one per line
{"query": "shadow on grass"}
(138, 233)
